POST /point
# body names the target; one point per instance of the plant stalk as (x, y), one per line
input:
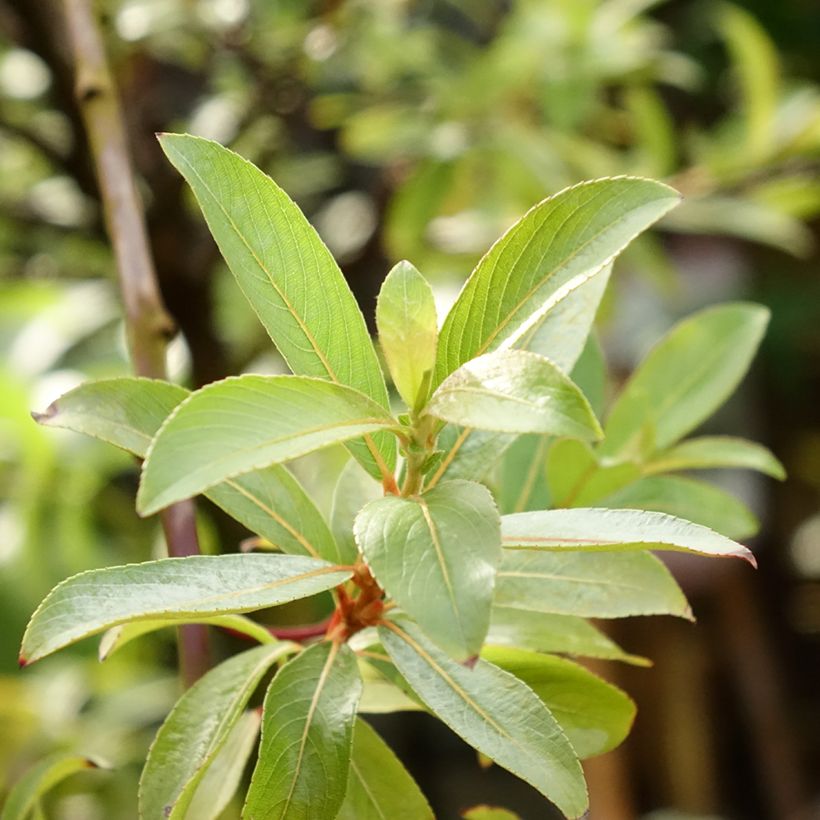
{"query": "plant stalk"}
(148, 325)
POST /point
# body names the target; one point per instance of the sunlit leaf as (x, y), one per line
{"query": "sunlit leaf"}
(717, 452)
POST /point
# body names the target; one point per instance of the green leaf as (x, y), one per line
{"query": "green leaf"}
(605, 529)
(494, 712)
(125, 412)
(353, 490)
(589, 584)
(522, 478)
(223, 777)
(595, 715)
(715, 452)
(171, 588)
(408, 329)
(307, 733)
(117, 637)
(379, 787)
(287, 274)
(561, 241)
(687, 498)
(685, 378)
(39, 779)
(436, 555)
(382, 694)
(197, 728)
(576, 479)
(565, 634)
(469, 454)
(128, 413)
(514, 391)
(489, 813)
(245, 423)
(272, 503)
(589, 374)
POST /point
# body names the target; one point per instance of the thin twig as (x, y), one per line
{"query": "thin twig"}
(148, 325)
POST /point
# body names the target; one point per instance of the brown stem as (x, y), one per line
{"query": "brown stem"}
(147, 323)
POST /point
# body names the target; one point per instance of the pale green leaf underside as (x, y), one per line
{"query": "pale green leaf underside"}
(38, 780)
(595, 715)
(408, 329)
(119, 636)
(494, 712)
(709, 452)
(246, 423)
(690, 499)
(588, 584)
(127, 412)
(307, 733)
(687, 375)
(285, 271)
(571, 234)
(171, 588)
(564, 634)
(379, 787)
(436, 555)
(514, 391)
(197, 727)
(592, 528)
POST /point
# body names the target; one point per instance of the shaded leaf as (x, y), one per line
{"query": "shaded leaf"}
(353, 490)
(717, 451)
(246, 423)
(307, 733)
(379, 787)
(286, 272)
(494, 712)
(415, 548)
(171, 589)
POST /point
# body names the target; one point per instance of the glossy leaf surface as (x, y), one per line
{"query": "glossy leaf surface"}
(285, 271)
(171, 588)
(246, 423)
(494, 712)
(307, 734)
(436, 555)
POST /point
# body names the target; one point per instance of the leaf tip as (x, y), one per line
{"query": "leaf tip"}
(47, 415)
(23, 661)
(470, 662)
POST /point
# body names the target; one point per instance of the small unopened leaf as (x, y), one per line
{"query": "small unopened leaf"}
(589, 584)
(603, 529)
(436, 555)
(38, 780)
(307, 733)
(494, 712)
(379, 787)
(197, 728)
(406, 320)
(171, 589)
(514, 391)
(595, 715)
(246, 423)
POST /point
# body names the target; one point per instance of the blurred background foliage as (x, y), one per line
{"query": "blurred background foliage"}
(421, 130)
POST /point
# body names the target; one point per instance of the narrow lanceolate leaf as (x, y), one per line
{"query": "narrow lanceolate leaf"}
(717, 451)
(125, 412)
(307, 733)
(572, 234)
(223, 777)
(171, 589)
(197, 728)
(600, 529)
(246, 423)
(684, 379)
(379, 787)
(38, 780)
(589, 584)
(436, 555)
(564, 634)
(408, 328)
(128, 413)
(595, 715)
(119, 636)
(689, 499)
(287, 274)
(494, 712)
(513, 391)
